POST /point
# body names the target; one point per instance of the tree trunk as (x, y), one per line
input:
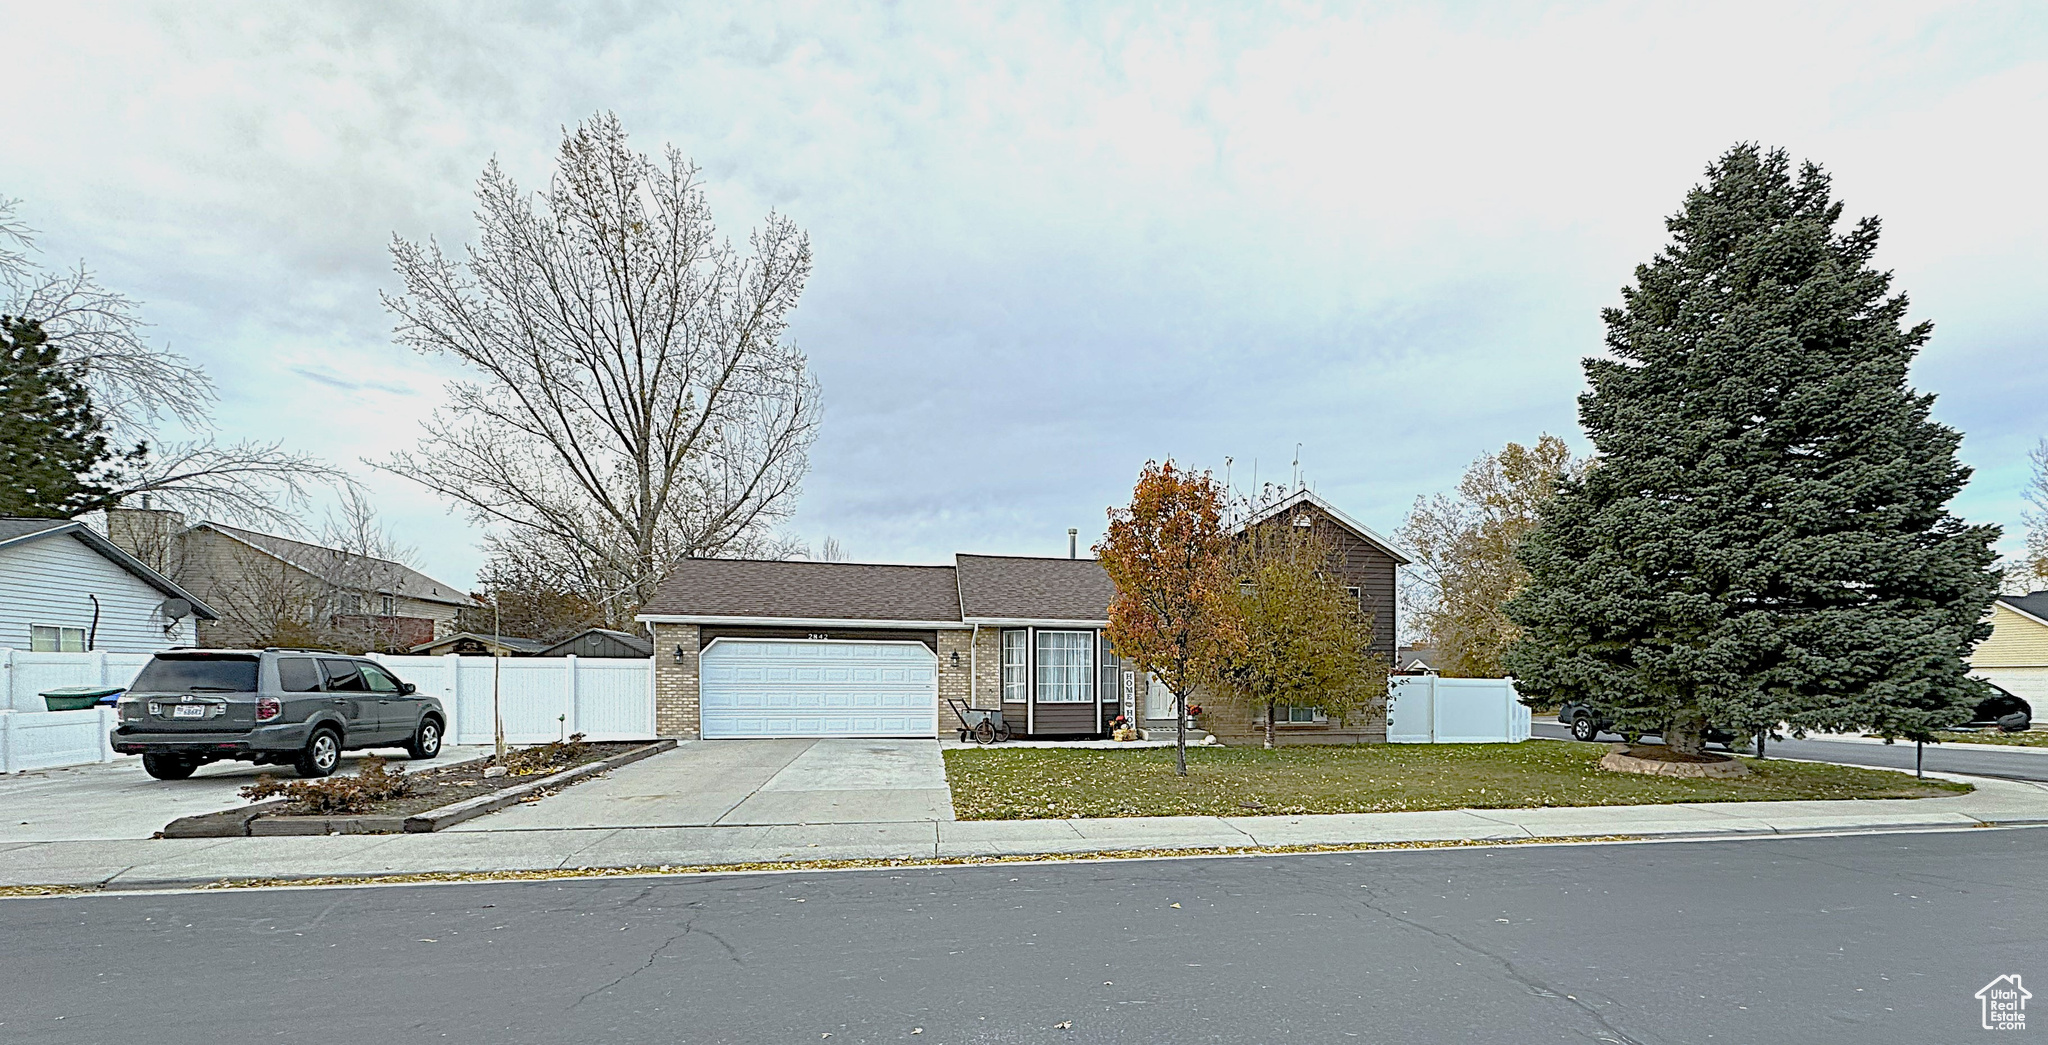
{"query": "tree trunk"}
(1269, 725)
(1687, 732)
(1180, 734)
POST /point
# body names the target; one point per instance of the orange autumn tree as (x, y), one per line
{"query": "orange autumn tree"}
(1168, 554)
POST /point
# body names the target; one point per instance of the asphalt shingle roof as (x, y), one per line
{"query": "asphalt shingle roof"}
(1010, 587)
(337, 567)
(2035, 603)
(808, 590)
(12, 528)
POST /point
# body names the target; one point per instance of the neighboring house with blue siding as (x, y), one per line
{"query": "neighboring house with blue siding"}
(66, 588)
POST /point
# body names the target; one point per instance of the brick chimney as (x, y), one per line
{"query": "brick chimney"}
(150, 534)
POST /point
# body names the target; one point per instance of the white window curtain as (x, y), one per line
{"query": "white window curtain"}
(1016, 669)
(1066, 667)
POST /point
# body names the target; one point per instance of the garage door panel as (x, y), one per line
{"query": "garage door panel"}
(770, 688)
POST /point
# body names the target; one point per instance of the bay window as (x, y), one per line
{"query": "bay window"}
(1066, 667)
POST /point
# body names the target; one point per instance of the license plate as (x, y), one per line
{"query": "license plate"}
(188, 711)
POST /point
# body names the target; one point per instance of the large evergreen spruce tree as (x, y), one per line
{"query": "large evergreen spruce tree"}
(54, 458)
(1764, 535)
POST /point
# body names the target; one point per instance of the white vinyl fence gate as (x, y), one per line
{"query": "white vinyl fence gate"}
(540, 698)
(1425, 709)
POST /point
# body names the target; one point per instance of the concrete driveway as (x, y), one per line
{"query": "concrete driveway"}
(118, 800)
(732, 782)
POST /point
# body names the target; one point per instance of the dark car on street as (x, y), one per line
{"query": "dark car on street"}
(1588, 722)
(273, 706)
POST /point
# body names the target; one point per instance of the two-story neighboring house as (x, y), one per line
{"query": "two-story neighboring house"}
(66, 589)
(271, 590)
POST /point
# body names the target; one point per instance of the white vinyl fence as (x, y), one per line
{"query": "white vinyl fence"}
(1425, 709)
(46, 739)
(25, 676)
(540, 698)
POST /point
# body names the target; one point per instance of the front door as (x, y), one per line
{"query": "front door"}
(1158, 700)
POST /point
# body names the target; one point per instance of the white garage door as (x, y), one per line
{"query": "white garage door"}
(817, 688)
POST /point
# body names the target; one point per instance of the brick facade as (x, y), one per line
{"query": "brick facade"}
(988, 672)
(954, 679)
(675, 681)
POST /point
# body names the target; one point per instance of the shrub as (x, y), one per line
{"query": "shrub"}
(545, 758)
(336, 794)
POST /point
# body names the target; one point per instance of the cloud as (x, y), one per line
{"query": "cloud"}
(332, 380)
(1051, 242)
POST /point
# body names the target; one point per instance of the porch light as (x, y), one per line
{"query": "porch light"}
(680, 655)
(956, 659)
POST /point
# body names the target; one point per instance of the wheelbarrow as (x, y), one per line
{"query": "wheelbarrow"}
(986, 727)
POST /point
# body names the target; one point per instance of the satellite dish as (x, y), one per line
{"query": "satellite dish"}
(175, 609)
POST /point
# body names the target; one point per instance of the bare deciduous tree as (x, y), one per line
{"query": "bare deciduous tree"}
(136, 386)
(2033, 565)
(635, 399)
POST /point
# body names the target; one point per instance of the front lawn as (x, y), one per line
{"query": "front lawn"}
(999, 783)
(2029, 738)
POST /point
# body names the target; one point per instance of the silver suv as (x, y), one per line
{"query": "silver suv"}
(271, 706)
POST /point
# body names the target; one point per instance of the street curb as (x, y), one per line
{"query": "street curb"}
(1945, 745)
(226, 823)
(1109, 850)
(251, 820)
(447, 816)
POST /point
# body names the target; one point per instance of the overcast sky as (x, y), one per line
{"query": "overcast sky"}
(1050, 242)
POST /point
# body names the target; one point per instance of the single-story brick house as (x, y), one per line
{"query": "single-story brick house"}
(759, 648)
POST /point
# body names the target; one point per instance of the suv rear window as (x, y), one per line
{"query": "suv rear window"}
(197, 674)
(298, 675)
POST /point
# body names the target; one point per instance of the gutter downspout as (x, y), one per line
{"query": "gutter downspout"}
(973, 672)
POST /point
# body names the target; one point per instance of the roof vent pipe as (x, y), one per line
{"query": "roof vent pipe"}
(1073, 543)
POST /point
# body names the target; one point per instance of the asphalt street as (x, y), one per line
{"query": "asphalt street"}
(1866, 939)
(1977, 759)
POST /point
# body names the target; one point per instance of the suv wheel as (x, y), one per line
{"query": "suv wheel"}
(426, 741)
(321, 753)
(1583, 728)
(169, 767)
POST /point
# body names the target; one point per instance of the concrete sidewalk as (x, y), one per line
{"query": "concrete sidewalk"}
(137, 863)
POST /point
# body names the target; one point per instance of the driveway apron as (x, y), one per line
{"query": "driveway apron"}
(729, 782)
